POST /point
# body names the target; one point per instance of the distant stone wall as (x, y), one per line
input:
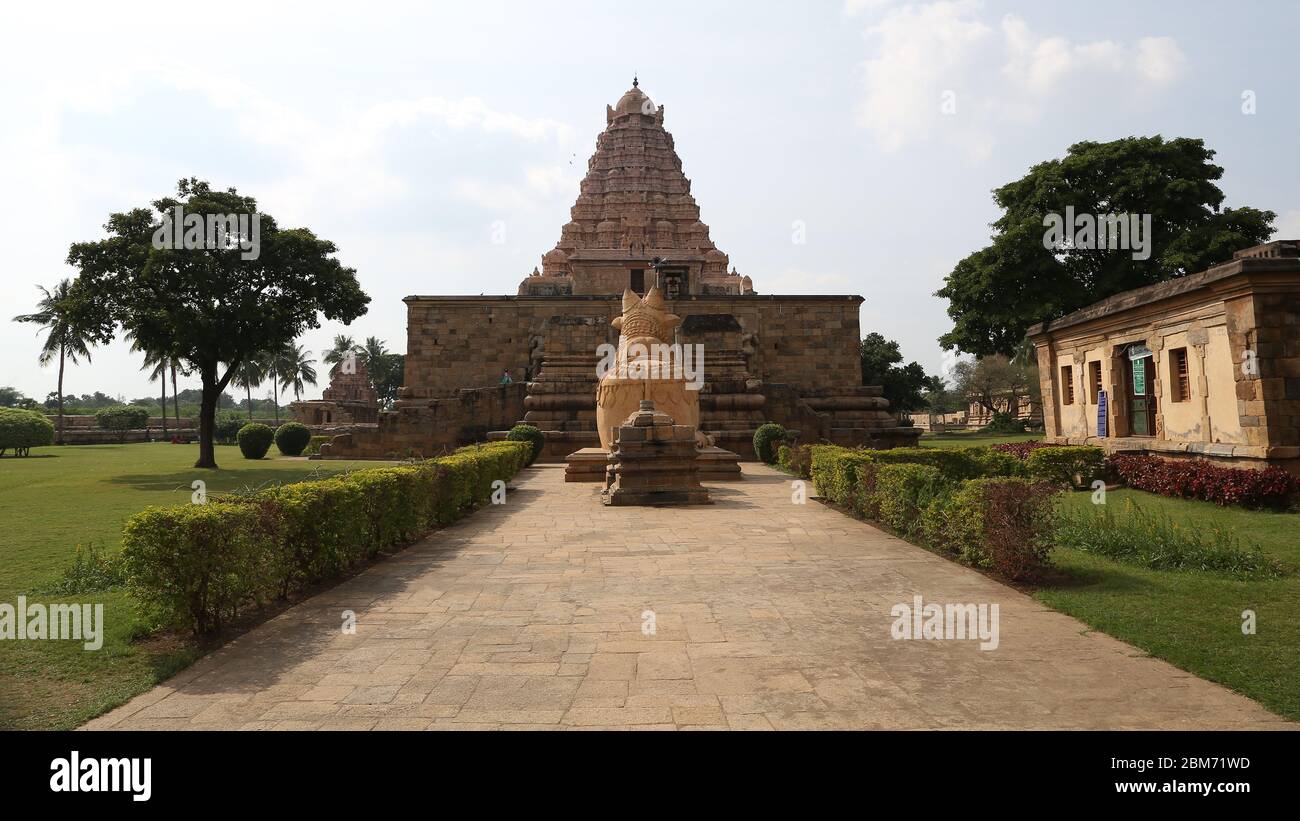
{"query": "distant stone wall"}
(430, 427)
(86, 420)
(809, 342)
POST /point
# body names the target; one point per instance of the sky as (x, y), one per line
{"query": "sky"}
(833, 147)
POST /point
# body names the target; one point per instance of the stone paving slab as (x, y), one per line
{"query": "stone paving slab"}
(767, 615)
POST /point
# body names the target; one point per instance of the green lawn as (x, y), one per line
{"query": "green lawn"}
(61, 497)
(1193, 619)
(948, 441)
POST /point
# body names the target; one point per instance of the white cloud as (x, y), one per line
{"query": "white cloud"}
(921, 50)
(1160, 60)
(852, 7)
(540, 185)
(929, 54)
(1287, 225)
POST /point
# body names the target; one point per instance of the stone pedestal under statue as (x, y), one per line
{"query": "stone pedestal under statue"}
(715, 465)
(653, 462)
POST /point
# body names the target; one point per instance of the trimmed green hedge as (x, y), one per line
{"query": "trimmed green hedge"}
(21, 430)
(837, 471)
(198, 566)
(902, 493)
(795, 459)
(973, 503)
(292, 438)
(531, 434)
(1061, 464)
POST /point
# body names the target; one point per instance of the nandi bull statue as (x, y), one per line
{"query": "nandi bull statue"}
(647, 365)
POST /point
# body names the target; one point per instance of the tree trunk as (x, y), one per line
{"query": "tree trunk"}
(62, 350)
(248, 387)
(275, 392)
(162, 377)
(207, 421)
(176, 400)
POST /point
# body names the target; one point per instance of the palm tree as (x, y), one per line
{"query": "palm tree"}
(372, 353)
(279, 362)
(176, 365)
(159, 363)
(251, 373)
(64, 335)
(296, 370)
(344, 346)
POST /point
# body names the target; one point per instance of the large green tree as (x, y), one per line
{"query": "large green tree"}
(995, 294)
(996, 382)
(880, 360)
(214, 307)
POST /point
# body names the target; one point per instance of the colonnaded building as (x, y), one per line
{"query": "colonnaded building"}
(1205, 366)
(786, 359)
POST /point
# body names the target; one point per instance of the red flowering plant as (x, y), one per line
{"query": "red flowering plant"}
(1199, 479)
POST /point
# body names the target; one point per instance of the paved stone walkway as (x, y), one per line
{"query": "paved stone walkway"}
(767, 615)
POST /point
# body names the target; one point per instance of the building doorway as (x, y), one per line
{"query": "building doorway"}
(1139, 379)
(674, 284)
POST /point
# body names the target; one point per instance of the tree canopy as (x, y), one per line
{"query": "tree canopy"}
(903, 384)
(211, 307)
(996, 293)
(995, 382)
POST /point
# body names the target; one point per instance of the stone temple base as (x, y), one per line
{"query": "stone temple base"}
(715, 465)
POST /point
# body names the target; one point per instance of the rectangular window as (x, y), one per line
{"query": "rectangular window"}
(638, 281)
(1178, 378)
(1094, 379)
(1067, 384)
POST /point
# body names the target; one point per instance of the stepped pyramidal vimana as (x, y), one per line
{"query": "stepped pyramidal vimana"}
(789, 359)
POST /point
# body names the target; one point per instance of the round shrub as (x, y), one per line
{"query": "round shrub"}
(528, 433)
(292, 438)
(255, 440)
(22, 430)
(226, 429)
(766, 439)
(122, 418)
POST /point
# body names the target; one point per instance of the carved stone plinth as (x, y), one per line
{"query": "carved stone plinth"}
(586, 465)
(653, 462)
(718, 465)
(715, 465)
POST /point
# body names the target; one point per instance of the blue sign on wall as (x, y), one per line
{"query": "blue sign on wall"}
(1102, 428)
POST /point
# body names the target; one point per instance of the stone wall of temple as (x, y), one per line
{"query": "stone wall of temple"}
(453, 342)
